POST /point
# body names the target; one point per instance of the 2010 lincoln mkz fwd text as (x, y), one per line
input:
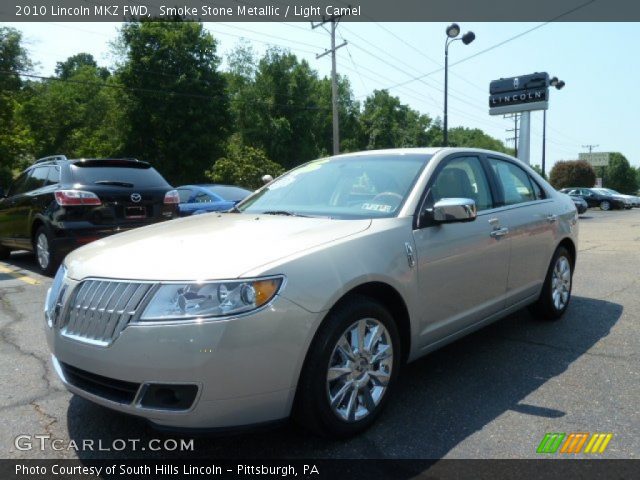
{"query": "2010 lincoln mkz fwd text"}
(307, 298)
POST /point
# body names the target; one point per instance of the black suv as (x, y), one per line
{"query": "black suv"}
(58, 204)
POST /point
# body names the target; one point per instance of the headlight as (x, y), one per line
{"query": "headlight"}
(209, 299)
(53, 295)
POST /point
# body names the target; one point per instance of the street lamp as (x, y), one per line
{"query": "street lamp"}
(452, 31)
(559, 85)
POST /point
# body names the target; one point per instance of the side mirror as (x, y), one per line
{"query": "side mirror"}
(450, 210)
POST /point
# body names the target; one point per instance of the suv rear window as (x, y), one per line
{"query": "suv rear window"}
(139, 177)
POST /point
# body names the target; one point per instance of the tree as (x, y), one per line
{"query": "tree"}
(79, 116)
(620, 175)
(387, 123)
(243, 165)
(14, 139)
(276, 109)
(574, 173)
(73, 64)
(475, 138)
(176, 105)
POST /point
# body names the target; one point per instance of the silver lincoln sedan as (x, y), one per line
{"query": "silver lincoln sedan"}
(307, 298)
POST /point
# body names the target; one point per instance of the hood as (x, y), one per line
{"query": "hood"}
(205, 247)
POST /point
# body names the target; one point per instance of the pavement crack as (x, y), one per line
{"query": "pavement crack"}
(48, 419)
(5, 337)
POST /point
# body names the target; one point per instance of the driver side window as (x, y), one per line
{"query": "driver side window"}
(462, 177)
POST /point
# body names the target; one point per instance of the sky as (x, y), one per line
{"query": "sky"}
(598, 62)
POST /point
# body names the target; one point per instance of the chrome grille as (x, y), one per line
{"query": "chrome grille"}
(98, 310)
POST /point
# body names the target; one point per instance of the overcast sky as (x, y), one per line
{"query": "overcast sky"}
(598, 61)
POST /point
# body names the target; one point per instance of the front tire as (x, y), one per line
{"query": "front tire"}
(350, 369)
(556, 291)
(4, 252)
(46, 254)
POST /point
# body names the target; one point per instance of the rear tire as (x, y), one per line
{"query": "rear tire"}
(4, 252)
(346, 382)
(47, 257)
(556, 291)
(605, 205)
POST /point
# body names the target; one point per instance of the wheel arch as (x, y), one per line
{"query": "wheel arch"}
(571, 247)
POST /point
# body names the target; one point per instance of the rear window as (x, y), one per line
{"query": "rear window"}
(138, 177)
(232, 194)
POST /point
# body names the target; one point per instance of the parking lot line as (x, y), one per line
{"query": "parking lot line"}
(18, 275)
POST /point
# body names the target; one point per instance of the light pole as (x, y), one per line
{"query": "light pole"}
(559, 84)
(452, 31)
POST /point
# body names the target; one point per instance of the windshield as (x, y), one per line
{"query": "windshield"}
(603, 191)
(363, 186)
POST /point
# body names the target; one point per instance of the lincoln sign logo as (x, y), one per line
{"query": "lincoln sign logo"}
(524, 96)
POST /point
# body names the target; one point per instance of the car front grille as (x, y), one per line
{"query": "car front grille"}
(105, 387)
(97, 311)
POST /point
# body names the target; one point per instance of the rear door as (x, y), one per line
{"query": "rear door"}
(532, 226)
(9, 217)
(462, 267)
(24, 206)
(132, 194)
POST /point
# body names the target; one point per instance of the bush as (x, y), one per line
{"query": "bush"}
(243, 166)
(574, 173)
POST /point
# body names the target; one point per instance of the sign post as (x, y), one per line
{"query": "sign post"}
(596, 159)
(522, 94)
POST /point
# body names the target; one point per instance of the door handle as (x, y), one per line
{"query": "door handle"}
(499, 232)
(552, 218)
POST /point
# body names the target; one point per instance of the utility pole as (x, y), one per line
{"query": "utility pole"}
(334, 19)
(515, 117)
(590, 148)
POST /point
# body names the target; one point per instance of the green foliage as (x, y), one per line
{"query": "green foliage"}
(79, 116)
(74, 63)
(620, 175)
(476, 138)
(176, 108)
(14, 139)
(243, 165)
(574, 173)
(386, 123)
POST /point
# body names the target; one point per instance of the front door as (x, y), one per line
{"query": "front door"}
(462, 267)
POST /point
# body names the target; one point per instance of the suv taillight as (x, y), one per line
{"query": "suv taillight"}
(171, 197)
(66, 198)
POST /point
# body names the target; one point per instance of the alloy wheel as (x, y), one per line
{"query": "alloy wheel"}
(561, 283)
(359, 370)
(42, 251)
(605, 205)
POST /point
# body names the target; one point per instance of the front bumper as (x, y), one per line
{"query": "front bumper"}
(246, 368)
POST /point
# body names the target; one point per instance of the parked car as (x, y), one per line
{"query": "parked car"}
(595, 198)
(629, 200)
(58, 204)
(196, 199)
(579, 202)
(312, 293)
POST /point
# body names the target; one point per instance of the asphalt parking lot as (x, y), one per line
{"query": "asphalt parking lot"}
(493, 394)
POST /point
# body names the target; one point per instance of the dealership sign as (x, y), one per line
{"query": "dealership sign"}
(595, 159)
(519, 94)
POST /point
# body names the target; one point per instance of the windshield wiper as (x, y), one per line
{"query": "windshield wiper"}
(114, 183)
(233, 209)
(283, 212)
